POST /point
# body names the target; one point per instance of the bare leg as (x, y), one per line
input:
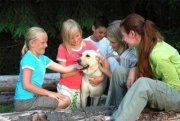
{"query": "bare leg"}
(64, 104)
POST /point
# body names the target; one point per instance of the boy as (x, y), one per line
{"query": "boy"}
(99, 29)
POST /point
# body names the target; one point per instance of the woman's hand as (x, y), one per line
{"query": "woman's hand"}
(131, 77)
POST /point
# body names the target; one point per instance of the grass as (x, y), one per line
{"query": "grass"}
(6, 108)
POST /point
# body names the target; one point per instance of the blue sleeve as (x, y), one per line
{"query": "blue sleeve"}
(133, 58)
(28, 62)
(133, 63)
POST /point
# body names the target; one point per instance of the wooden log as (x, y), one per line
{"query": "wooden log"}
(83, 114)
(8, 82)
(6, 97)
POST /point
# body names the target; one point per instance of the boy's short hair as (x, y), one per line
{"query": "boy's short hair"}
(101, 21)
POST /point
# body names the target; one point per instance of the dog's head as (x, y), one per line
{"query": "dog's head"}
(89, 60)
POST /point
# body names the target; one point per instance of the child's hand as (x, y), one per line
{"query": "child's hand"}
(117, 57)
(131, 77)
(96, 80)
(57, 96)
(104, 69)
(109, 55)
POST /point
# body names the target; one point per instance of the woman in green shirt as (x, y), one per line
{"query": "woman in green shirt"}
(156, 78)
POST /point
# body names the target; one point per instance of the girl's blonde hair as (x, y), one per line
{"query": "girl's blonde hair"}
(31, 34)
(113, 31)
(67, 27)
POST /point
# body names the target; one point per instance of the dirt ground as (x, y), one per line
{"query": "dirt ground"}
(87, 114)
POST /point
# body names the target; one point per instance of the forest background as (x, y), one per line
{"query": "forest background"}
(18, 15)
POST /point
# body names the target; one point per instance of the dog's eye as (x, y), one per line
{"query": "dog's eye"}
(87, 55)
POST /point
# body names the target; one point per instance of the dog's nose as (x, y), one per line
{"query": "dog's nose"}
(79, 60)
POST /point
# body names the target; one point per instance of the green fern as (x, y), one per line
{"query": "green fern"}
(73, 104)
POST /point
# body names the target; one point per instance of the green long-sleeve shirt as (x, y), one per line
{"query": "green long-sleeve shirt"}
(165, 64)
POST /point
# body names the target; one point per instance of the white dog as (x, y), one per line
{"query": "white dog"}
(90, 60)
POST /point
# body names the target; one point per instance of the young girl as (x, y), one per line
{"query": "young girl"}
(29, 94)
(68, 52)
(156, 79)
(126, 56)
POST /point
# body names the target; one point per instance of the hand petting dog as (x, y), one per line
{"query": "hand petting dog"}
(96, 80)
(104, 67)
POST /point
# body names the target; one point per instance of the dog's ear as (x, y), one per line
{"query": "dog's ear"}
(99, 58)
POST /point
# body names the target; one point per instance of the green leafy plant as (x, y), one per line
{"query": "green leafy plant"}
(5, 108)
(17, 16)
(73, 104)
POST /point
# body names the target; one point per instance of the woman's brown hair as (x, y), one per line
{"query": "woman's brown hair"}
(149, 37)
